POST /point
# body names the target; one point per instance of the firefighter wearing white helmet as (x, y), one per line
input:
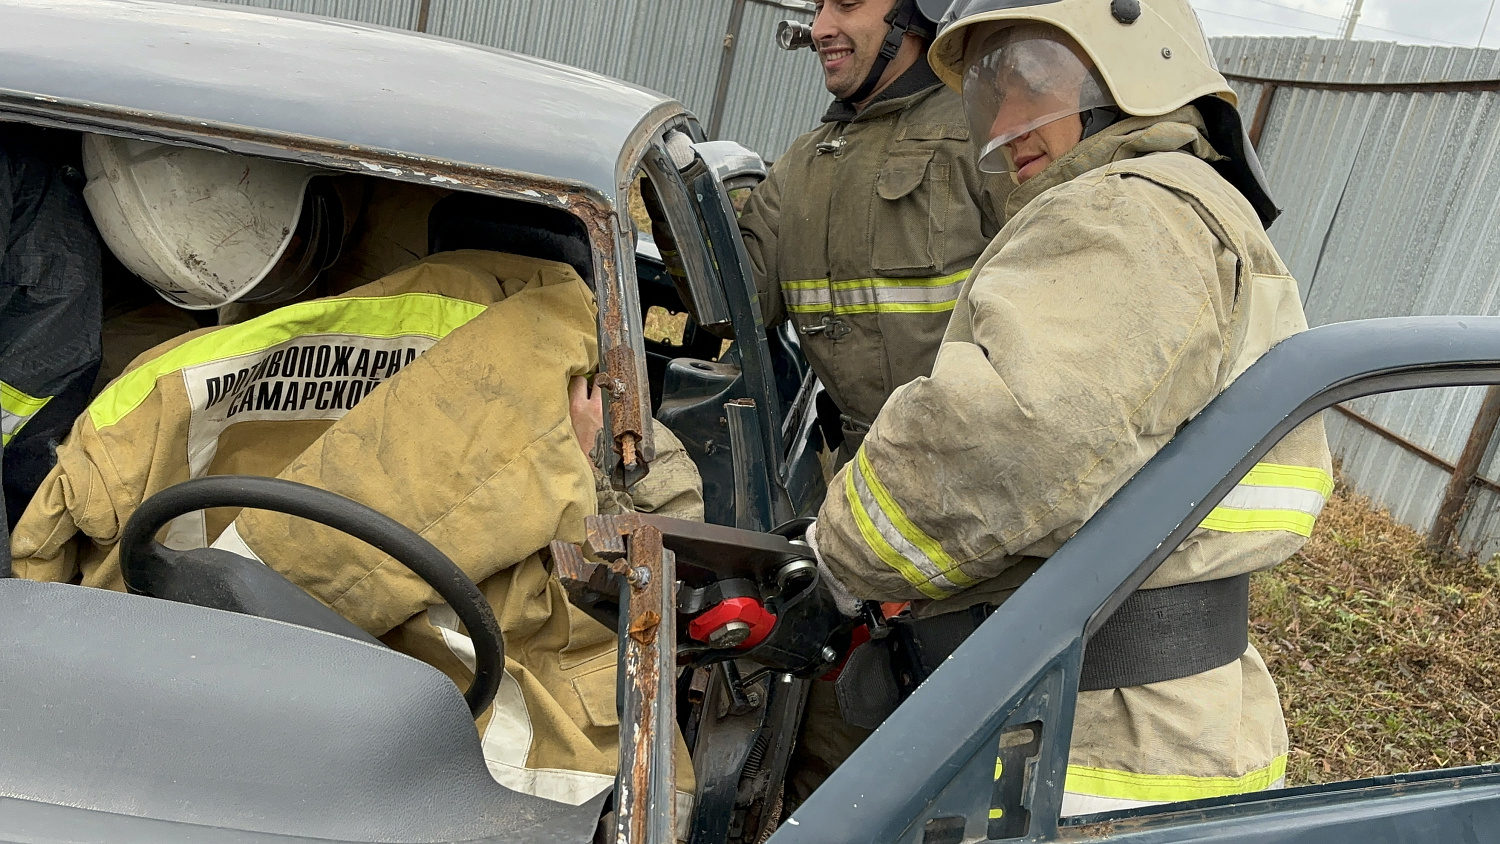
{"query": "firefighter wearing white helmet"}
(1132, 284)
(206, 229)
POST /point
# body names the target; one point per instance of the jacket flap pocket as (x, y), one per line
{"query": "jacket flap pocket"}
(596, 691)
(934, 132)
(902, 173)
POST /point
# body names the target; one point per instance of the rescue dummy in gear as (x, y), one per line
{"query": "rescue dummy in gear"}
(1133, 283)
(437, 395)
(865, 229)
(49, 315)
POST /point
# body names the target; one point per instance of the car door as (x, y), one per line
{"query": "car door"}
(982, 746)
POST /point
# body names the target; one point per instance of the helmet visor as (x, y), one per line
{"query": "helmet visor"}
(1019, 78)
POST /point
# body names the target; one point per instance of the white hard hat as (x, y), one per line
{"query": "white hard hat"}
(208, 228)
(1140, 57)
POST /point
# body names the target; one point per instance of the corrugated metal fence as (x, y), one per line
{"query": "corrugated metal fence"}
(1386, 159)
(673, 46)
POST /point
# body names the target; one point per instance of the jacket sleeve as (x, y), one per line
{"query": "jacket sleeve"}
(1079, 348)
(759, 225)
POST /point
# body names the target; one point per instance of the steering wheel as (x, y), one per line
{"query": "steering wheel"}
(141, 554)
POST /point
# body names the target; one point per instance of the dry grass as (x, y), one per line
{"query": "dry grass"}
(1386, 654)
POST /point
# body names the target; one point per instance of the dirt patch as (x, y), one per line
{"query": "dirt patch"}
(1387, 656)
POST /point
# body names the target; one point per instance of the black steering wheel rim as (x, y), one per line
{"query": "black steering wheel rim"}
(342, 514)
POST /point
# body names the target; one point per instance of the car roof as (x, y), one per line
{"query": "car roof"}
(358, 86)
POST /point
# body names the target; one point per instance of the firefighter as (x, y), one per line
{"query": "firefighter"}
(1133, 282)
(865, 228)
(439, 395)
(49, 315)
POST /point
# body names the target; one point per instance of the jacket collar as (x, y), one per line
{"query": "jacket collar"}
(1132, 137)
(916, 80)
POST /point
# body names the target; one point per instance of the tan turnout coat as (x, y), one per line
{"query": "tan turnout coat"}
(1131, 286)
(437, 395)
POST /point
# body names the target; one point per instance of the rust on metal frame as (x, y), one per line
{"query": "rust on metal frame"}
(645, 797)
(1466, 473)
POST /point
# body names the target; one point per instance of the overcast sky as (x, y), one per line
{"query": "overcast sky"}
(1447, 22)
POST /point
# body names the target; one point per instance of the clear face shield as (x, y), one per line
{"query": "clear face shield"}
(1022, 77)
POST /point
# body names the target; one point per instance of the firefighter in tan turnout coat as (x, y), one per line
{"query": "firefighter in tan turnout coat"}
(1133, 282)
(438, 395)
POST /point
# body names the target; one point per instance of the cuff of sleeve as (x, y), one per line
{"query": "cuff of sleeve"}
(842, 597)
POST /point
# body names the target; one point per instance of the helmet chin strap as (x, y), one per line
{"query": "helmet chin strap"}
(903, 18)
(1096, 120)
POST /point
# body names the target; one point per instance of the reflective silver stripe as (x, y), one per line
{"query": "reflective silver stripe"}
(804, 299)
(1275, 498)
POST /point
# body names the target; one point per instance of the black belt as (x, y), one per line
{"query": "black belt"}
(1156, 635)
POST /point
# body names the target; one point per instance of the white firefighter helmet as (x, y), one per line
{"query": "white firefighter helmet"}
(208, 228)
(1139, 57)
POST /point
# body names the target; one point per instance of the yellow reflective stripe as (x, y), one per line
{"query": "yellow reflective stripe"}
(1168, 788)
(883, 549)
(1273, 496)
(996, 814)
(1227, 520)
(403, 315)
(1298, 477)
(999, 768)
(913, 534)
(16, 409)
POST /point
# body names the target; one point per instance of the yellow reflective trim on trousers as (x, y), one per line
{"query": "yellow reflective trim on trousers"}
(403, 315)
(915, 535)
(16, 409)
(1168, 788)
(883, 549)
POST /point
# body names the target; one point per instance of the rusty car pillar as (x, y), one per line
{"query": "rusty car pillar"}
(646, 786)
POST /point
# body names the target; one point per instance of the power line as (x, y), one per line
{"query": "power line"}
(1329, 17)
(1263, 20)
(1486, 27)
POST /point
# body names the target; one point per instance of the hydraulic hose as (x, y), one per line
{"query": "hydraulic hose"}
(342, 514)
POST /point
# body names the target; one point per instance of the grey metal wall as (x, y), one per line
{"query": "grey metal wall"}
(1392, 207)
(672, 46)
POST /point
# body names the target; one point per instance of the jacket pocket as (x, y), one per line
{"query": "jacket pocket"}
(596, 691)
(909, 213)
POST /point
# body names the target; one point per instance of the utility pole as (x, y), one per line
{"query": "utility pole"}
(1352, 17)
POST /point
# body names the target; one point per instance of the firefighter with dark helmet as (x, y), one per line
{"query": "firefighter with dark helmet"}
(1132, 283)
